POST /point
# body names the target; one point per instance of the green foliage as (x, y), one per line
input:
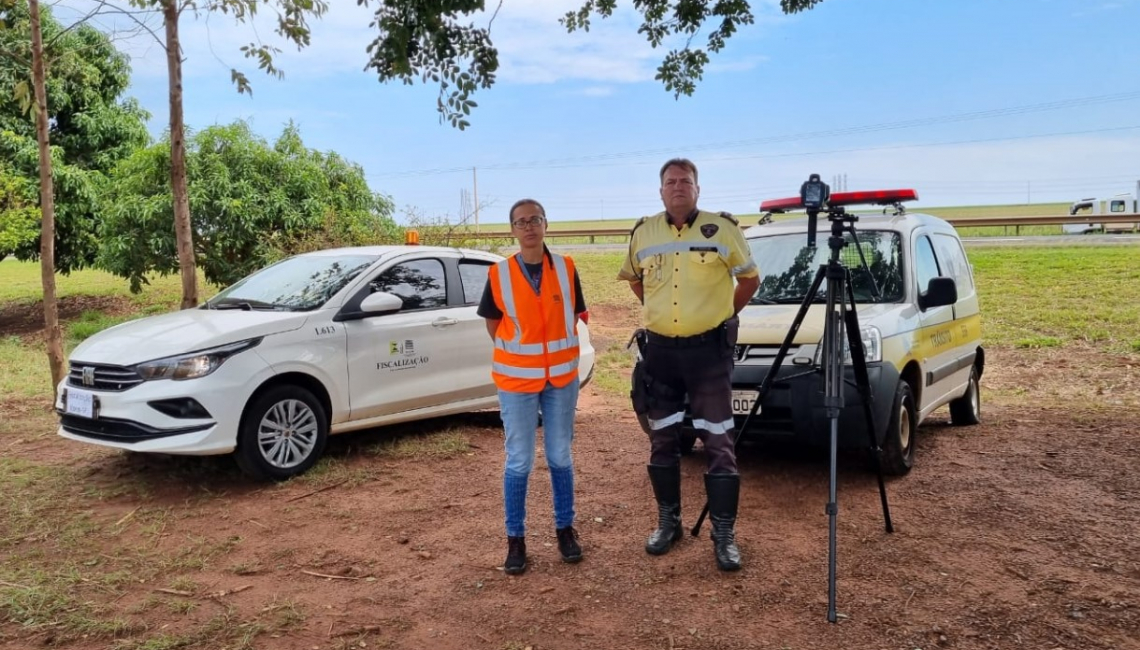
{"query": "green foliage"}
(425, 39)
(292, 25)
(19, 216)
(252, 203)
(91, 127)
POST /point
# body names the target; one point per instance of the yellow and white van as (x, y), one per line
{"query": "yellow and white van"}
(923, 344)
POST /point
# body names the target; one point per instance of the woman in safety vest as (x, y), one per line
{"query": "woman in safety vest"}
(532, 317)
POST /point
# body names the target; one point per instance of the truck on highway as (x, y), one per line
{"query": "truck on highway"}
(1118, 204)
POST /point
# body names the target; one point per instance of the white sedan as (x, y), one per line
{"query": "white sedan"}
(317, 344)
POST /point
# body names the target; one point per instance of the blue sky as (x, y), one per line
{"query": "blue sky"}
(968, 101)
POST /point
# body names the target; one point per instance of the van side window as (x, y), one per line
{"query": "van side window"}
(952, 259)
(925, 263)
(1116, 206)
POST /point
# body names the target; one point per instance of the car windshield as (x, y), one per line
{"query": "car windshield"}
(788, 267)
(299, 283)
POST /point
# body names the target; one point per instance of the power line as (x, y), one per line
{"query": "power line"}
(594, 159)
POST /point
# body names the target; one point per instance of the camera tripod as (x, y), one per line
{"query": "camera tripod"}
(841, 317)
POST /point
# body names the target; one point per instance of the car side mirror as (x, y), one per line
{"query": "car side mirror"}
(374, 304)
(381, 302)
(940, 292)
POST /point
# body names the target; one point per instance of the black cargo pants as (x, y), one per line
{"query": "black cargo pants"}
(700, 367)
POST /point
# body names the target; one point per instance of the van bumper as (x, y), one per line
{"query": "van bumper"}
(793, 408)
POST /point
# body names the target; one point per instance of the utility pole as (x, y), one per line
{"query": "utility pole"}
(475, 180)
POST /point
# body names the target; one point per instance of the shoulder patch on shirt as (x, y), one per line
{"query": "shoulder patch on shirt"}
(709, 229)
(638, 224)
(727, 215)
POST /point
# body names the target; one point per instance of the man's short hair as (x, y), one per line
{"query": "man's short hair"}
(683, 163)
(522, 202)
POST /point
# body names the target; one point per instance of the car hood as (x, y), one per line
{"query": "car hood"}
(182, 331)
(769, 324)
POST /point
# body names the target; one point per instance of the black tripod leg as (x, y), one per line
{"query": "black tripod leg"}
(833, 405)
(770, 378)
(863, 383)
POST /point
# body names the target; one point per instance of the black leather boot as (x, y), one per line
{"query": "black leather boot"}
(724, 496)
(666, 480)
(516, 556)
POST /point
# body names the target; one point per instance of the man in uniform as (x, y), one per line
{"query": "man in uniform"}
(681, 265)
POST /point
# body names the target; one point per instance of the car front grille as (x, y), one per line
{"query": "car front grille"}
(762, 354)
(116, 430)
(102, 377)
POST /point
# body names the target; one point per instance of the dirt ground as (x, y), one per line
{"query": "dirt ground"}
(1018, 533)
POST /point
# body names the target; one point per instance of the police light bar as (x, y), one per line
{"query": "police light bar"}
(872, 197)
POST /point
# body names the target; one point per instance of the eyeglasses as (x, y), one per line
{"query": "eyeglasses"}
(523, 224)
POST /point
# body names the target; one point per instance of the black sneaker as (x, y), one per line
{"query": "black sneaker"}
(568, 544)
(516, 556)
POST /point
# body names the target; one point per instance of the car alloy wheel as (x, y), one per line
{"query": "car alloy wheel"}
(287, 434)
(283, 433)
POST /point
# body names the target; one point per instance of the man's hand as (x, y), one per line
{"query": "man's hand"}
(638, 290)
(745, 289)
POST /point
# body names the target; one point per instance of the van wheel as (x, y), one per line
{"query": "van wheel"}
(898, 447)
(967, 409)
(283, 433)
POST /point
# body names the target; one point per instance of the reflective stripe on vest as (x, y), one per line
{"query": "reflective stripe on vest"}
(534, 373)
(514, 344)
(510, 310)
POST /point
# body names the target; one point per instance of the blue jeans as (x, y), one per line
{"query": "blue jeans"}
(520, 412)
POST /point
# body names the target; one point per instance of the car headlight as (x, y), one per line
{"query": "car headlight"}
(193, 364)
(872, 346)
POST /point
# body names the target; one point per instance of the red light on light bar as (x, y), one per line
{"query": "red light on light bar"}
(781, 205)
(872, 197)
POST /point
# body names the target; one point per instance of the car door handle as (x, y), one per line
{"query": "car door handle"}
(444, 322)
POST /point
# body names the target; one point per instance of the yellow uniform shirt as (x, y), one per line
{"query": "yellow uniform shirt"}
(687, 274)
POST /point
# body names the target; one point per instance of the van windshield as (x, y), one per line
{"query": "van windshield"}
(788, 266)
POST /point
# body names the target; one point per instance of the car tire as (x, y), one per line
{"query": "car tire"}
(283, 433)
(897, 455)
(967, 409)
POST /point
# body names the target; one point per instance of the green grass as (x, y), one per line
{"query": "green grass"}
(949, 212)
(599, 278)
(445, 444)
(1050, 297)
(22, 281)
(92, 322)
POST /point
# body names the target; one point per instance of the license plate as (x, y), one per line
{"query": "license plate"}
(81, 403)
(742, 401)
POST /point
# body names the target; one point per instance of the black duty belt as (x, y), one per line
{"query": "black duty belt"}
(714, 336)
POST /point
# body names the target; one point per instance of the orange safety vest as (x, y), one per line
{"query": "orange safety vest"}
(537, 339)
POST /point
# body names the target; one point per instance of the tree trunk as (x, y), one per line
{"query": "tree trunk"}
(47, 204)
(183, 231)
